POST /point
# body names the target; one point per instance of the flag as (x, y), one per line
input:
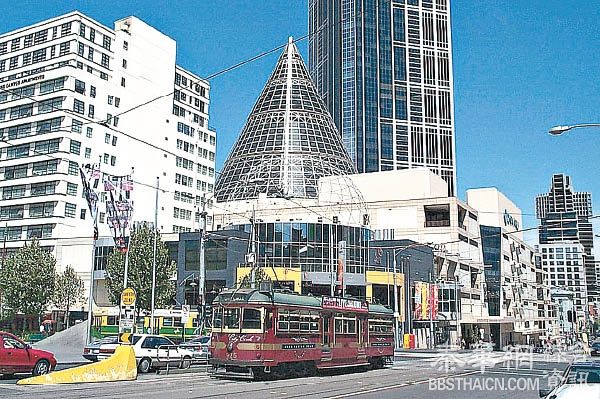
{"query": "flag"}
(109, 186)
(127, 184)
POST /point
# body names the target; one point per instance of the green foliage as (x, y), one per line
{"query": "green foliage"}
(139, 275)
(27, 280)
(259, 276)
(68, 291)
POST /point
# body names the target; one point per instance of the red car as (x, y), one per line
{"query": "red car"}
(18, 357)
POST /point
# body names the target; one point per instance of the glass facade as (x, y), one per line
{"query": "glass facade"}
(492, 258)
(395, 63)
(307, 245)
(289, 140)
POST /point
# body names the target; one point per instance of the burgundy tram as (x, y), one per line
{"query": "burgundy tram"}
(257, 334)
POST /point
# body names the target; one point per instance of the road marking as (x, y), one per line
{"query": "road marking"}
(395, 386)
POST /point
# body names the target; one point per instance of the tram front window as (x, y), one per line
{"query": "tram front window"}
(251, 319)
(231, 318)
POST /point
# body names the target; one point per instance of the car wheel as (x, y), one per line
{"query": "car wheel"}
(144, 365)
(41, 367)
(185, 363)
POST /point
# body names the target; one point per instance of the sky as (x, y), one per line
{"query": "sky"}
(520, 67)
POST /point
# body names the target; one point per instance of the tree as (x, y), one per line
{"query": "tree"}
(139, 272)
(27, 279)
(259, 276)
(68, 291)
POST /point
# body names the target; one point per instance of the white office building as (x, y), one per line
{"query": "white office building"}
(563, 263)
(69, 87)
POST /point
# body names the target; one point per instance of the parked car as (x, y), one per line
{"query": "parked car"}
(153, 352)
(595, 349)
(92, 350)
(580, 380)
(18, 357)
(199, 346)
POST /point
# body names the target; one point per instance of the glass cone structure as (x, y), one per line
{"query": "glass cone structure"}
(289, 140)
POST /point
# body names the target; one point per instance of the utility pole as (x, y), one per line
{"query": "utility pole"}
(253, 250)
(333, 273)
(431, 337)
(201, 277)
(396, 313)
(154, 255)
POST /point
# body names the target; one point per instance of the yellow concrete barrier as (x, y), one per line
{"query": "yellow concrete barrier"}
(120, 366)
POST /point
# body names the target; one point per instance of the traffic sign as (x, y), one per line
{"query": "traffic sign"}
(128, 297)
(125, 338)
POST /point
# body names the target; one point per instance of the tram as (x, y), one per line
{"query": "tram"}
(272, 334)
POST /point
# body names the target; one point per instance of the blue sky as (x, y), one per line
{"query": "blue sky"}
(520, 67)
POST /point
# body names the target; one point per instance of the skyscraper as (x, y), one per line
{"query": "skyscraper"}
(384, 69)
(564, 216)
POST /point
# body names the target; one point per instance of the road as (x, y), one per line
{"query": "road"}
(413, 378)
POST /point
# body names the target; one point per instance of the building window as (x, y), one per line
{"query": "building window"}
(73, 168)
(105, 61)
(114, 140)
(19, 151)
(65, 29)
(70, 210)
(53, 104)
(110, 99)
(46, 146)
(106, 138)
(80, 48)
(106, 42)
(113, 160)
(90, 54)
(76, 126)
(91, 111)
(82, 213)
(89, 132)
(79, 86)
(78, 106)
(41, 210)
(71, 189)
(11, 212)
(123, 82)
(88, 152)
(14, 62)
(124, 64)
(93, 91)
(125, 45)
(117, 102)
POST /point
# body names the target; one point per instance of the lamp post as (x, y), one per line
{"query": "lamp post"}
(560, 129)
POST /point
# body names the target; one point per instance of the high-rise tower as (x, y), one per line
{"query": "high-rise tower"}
(384, 69)
(564, 216)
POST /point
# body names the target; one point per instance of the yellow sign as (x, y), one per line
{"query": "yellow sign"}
(128, 297)
(125, 338)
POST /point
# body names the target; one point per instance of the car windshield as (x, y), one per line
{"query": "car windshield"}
(199, 340)
(583, 375)
(108, 340)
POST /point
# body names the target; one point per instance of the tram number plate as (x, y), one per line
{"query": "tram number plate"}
(298, 346)
(381, 344)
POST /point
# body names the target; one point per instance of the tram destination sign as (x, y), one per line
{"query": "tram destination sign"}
(344, 304)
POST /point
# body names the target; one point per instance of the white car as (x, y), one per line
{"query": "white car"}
(154, 352)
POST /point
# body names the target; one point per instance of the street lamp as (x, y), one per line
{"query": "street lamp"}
(558, 130)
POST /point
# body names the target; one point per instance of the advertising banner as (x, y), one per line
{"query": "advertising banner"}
(424, 301)
(417, 300)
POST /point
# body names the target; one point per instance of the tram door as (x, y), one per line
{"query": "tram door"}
(326, 339)
(360, 330)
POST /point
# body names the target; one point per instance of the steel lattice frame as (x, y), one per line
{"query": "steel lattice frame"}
(288, 143)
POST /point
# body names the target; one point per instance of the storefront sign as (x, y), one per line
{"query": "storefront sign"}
(344, 304)
(509, 220)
